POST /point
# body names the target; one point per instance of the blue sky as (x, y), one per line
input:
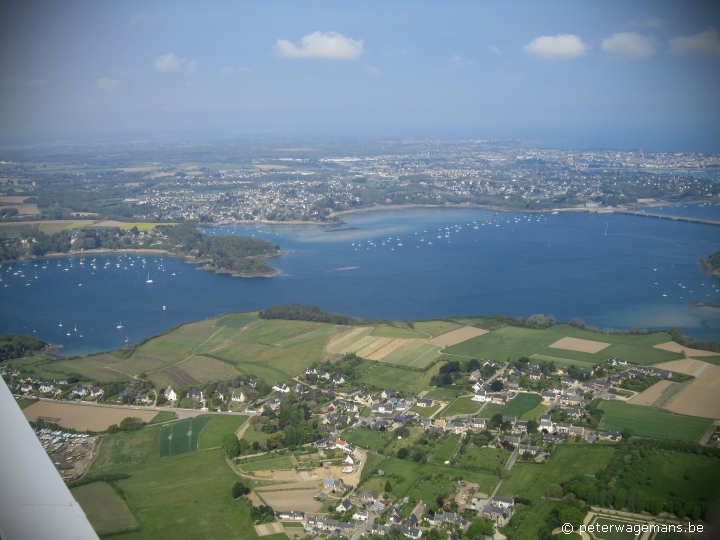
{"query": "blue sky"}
(560, 73)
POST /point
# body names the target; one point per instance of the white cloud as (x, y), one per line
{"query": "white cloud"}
(321, 45)
(169, 63)
(25, 83)
(706, 42)
(562, 46)
(373, 71)
(494, 50)
(108, 84)
(629, 45)
(654, 22)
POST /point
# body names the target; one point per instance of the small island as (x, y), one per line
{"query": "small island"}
(711, 265)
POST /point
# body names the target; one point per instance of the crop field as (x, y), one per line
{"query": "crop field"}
(563, 362)
(105, 510)
(513, 342)
(457, 336)
(270, 464)
(217, 428)
(342, 341)
(182, 437)
(293, 499)
(320, 333)
(701, 397)
(182, 496)
(532, 479)
(463, 405)
(580, 345)
(414, 353)
(163, 416)
(650, 422)
(435, 328)
(83, 417)
(385, 330)
(521, 404)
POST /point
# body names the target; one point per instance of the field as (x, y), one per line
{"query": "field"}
(676, 347)
(435, 328)
(532, 479)
(163, 416)
(485, 458)
(83, 417)
(511, 341)
(701, 397)
(217, 428)
(463, 405)
(688, 366)
(521, 404)
(182, 437)
(292, 499)
(183, 496)
(457, 336)
(270, 464)
(580, 345)
(652, 394)
(445, 449)
(409, 381)
(365, 438)
(614, 535)
(650, 422)
(104, 508)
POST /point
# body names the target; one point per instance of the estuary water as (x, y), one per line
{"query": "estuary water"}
(610, 270)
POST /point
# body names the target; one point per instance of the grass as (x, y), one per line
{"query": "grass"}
(651, 422)
(365, 438)
(25, 403)
(521, 404)
(615, 534)
(463, 405)
(532, 479)
(511, 341)
(407, 381)
(183, 496)
(104, 508)
(182, 437)
(426, 412)
(436, 328)
(443, 394)
(385, 330)
(219, 426)
(535, 413)
(237, 320)
(270, 464)
(163, 416)
(416, 353)
(488, 459)
(445, 449)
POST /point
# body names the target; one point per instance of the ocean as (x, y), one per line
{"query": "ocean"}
(612, 271)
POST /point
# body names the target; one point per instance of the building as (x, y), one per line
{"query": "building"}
(170, 394)
(424, 403)
(237, 397)
(197, 395)
(281, 387)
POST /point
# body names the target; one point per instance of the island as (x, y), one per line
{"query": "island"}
(711, 264)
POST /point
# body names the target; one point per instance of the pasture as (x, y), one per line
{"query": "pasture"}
(511, 341)
(435, 328)
(650, 422)
(521, 404)
(182, 437)
(463, 405)
(380, 375)
(182, 496)
(270, 463)
(457, 336)
(105, 510)
(217, 428)
(445, 449)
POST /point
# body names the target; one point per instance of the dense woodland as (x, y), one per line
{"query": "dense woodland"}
(304, 312)
(16, 346)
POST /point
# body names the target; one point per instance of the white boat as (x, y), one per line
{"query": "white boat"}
(119, 325)
(148, 280)
(60, 322)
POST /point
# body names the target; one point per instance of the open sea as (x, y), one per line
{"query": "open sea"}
(613, 271)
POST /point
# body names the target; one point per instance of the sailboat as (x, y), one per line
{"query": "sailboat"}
(76, 327)
(60, 322)
(119, 325)
(148, 280)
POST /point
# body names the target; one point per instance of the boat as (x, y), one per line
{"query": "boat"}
(76, 327)
(60, 322)
(148, 279)
(119, 325)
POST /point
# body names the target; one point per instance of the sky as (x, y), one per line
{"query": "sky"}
(566, 74)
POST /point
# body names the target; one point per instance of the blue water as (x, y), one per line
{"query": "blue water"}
(708, 210)
(610, 270)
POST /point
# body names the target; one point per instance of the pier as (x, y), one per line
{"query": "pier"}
(666, 216)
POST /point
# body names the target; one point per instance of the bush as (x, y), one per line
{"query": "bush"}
(239, 489)
(131, 424)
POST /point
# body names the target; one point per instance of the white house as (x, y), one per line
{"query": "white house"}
(481, 396)
(237, 397)
(170, 394)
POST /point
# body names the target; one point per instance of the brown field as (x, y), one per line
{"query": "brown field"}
(338, 342)
(649, 396)
(270, 167)
(677, 348)
(83, 417)
(387, 348)
(375, 345)
(293, 499)
(267, 529)
(701, 397)
(28, 210)
(13, 199)
(579, 345)
(687, 366)
(457, 336)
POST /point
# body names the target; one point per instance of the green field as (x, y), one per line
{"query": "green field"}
(511, 341)
(182, 437)
(25, 403)
(521, 404)
(532, 479)
(425, 412)
(488, 459)
(269, 464)
(416, 354)
(105, 510)
(408, 381)
(367, 439)
(217, 428)
(163, 416)
(443, 394)
(445, 449)
(436, 328)
(182, 496)
(251, 436)
(650, 422)
(463, 405)
(385, 330)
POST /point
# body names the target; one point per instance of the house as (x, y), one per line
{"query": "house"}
(475, 375)
(664, 373)
(292, 515)
(416, 516)
(380, 505)
(535, 375)
(196, 395)
(424, 403)
(522, 448)
(80, 391)
(370, 497)
(344, 506)
(566, 381)
(273, 403)
(46, 388)
(361, 515)
(617, 361)
(281, 387)
(96, 391)
(300, 388)
(338, 379)
(323, 375)
(26, 388)
(513, 386)
(500, 398)
(478, 424)
(310, 371)
(481, 396)
(237, 397)
(144, 398)
(574, 412)
(572, 400)
(170, 394)
(499, 515)
(515, 441)
(388, 393)
(502, 502)
(548, 397)
(330, 484)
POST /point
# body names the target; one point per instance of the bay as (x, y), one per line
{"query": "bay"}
(418, 263)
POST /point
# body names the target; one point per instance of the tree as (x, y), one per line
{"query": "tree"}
(554, 491)
(113, 429)
(479, 527)
(131, 424)
(620, 499)
(532, 426)
(571, 515)
(275, 440)
(239, 489)
(231, 445)
(497, 385)
(402, 453)
(388, 487)
(496, 420)
(473, 364)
